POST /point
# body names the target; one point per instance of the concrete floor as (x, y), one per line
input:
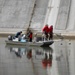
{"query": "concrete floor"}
(59, 59)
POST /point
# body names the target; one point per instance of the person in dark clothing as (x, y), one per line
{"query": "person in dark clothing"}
(29, 35)
(18, 34)
(51, 32)
(46, 31)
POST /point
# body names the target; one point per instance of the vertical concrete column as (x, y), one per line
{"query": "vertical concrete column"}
(52, 11)
(63, 14)
(48, 12)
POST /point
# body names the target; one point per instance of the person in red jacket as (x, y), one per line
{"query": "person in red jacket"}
(51, 32)
(46, 31)
(30, 36)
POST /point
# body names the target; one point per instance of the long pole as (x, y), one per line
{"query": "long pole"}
(32, 14)
(33, 8)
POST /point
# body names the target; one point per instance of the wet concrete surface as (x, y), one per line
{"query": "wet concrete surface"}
(58, 59)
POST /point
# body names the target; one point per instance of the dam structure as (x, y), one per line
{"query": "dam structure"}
(17, 15)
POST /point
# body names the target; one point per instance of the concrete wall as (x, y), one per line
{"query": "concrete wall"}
(17, 15)
(61, 16)
(38, 18)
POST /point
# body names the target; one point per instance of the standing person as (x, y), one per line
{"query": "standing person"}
(51, 32)
(30, 35)
(46, 31)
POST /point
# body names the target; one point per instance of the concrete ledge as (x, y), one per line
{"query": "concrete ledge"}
(4, 32)
(56, 35)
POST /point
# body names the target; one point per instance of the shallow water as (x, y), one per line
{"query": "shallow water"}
(58, 59)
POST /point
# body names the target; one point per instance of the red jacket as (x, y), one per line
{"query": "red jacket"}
(46, 29)
(51, 29)
(30, 36)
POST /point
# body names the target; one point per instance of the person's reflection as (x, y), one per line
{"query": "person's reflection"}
(50, 60)
(18, 51)
(47, 61)
(29, 54)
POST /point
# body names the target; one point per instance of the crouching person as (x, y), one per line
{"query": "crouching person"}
(18, 34)
(45, 31)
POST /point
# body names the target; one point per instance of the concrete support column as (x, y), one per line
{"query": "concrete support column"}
(48, 12)
(52, 12)
(63, 15)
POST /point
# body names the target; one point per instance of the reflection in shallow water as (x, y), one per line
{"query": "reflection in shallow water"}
(38, 53)
(41, 55)
(57, 60)
(47, 61)
(18, 51)
(21, 50)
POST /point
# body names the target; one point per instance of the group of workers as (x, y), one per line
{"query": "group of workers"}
(47, 31)
(19, 36)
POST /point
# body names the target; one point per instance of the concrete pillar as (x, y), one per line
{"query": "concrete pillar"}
(63, 15)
